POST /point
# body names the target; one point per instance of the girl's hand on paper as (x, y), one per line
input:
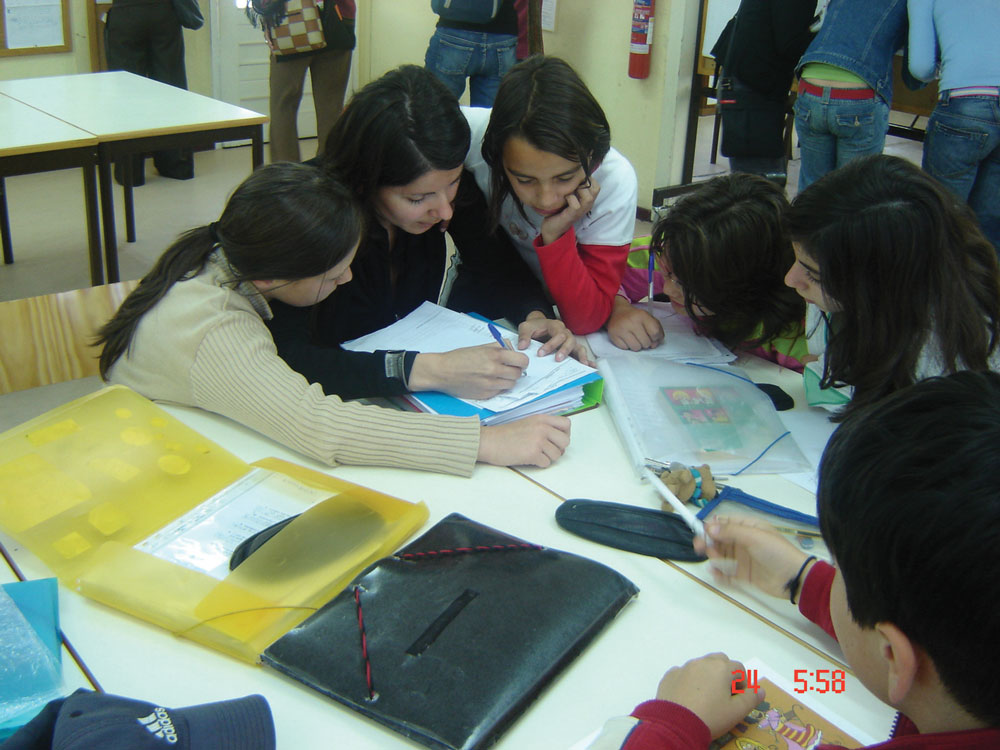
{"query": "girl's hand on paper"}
(578, 203)
(631, 328)
(759, 554)
(532, 441)
(555, 334)
(478, 372)
(704, 686)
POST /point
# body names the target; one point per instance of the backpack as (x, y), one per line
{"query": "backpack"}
(467, 11)
(290, 26)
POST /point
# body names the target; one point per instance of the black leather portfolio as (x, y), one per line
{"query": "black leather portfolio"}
(449, 640)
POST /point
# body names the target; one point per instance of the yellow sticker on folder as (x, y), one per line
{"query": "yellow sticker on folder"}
(32, 491)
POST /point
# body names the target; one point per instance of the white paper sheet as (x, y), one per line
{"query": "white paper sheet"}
(33, 23)
(432, 328)
(205, 537)
(680, 344)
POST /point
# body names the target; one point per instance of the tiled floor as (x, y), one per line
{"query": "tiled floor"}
(48, 227)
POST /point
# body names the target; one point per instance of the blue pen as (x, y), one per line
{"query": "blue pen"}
(496, 334)
(652, 264)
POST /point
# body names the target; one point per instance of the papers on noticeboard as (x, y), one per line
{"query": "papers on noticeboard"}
(547, 387)
(680, 342)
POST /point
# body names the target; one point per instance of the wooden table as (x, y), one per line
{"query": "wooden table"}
(33, 141)
(128, 114)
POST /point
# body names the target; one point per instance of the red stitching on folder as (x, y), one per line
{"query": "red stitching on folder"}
(364, 645)
(469, 550)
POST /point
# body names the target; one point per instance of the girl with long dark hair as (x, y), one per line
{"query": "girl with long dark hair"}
(399, 147)
(193, 332)
(901, 282)
(722, 251)
(556, 187)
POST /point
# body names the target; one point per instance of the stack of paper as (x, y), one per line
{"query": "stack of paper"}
(680, 342)
(547, 386)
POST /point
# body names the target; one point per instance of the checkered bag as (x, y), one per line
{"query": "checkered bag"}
(301, 29)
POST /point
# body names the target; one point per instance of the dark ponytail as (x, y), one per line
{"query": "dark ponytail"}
(286, 221)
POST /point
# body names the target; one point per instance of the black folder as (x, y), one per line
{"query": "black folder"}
(449, 640)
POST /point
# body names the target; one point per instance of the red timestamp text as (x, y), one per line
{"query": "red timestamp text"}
(744, 680)
(820, 681)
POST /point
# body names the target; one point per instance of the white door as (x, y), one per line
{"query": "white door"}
(240, 65)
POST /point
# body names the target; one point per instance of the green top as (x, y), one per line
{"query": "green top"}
(825, 72)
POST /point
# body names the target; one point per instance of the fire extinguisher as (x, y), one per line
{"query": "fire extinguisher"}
(642, 38)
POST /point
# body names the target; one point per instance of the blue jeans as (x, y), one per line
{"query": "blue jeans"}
(834, 131)
(962, 150)
(454, 55)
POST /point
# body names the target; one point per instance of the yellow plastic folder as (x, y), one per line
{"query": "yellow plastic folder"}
(86, 486)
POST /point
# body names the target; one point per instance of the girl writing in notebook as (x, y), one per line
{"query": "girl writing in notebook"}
(556, 188)
(399, 147)
(722, 252)
(193, 333)
(901, 282)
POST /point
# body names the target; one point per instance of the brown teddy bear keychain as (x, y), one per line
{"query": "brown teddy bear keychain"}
(691, 484)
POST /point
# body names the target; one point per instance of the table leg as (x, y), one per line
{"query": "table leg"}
(257, 146)
(8, 250)
(108, 219)
(129, 178)
(93, 225)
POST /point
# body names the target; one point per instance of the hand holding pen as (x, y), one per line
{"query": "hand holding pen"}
(500, 339)
(504, 343)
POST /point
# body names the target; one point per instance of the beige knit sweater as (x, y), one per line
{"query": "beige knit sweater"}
(205, 344)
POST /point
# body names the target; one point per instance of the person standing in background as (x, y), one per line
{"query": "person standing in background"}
(845, 86)
(482, 52)
(145, 37)
(952, 41)
(765, 41)
(328, 68)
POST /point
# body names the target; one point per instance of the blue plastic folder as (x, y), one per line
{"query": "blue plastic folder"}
(38, 601)
(442, 403)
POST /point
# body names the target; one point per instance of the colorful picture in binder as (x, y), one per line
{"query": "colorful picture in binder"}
(705, 414)
(783, 721)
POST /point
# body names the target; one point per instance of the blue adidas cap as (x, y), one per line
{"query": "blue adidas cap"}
(88, 720)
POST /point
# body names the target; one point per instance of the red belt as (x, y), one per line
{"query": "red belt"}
(835, 93)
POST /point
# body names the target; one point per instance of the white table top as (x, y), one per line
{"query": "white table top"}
(674, 618)
(595, 443)
(27, 130)
(119, 105)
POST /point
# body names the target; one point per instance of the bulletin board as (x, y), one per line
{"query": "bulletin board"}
(32, 27)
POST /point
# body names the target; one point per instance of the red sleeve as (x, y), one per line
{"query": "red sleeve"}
(814, 601)
(667, 726)
(582, 279)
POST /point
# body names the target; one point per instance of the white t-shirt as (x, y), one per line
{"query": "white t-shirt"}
(611, 220)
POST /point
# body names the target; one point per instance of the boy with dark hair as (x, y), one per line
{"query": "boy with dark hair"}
(910, 511)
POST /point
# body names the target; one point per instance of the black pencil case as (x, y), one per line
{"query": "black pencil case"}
(449, 640)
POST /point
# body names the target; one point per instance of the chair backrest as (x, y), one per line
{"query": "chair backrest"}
(49, 339)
